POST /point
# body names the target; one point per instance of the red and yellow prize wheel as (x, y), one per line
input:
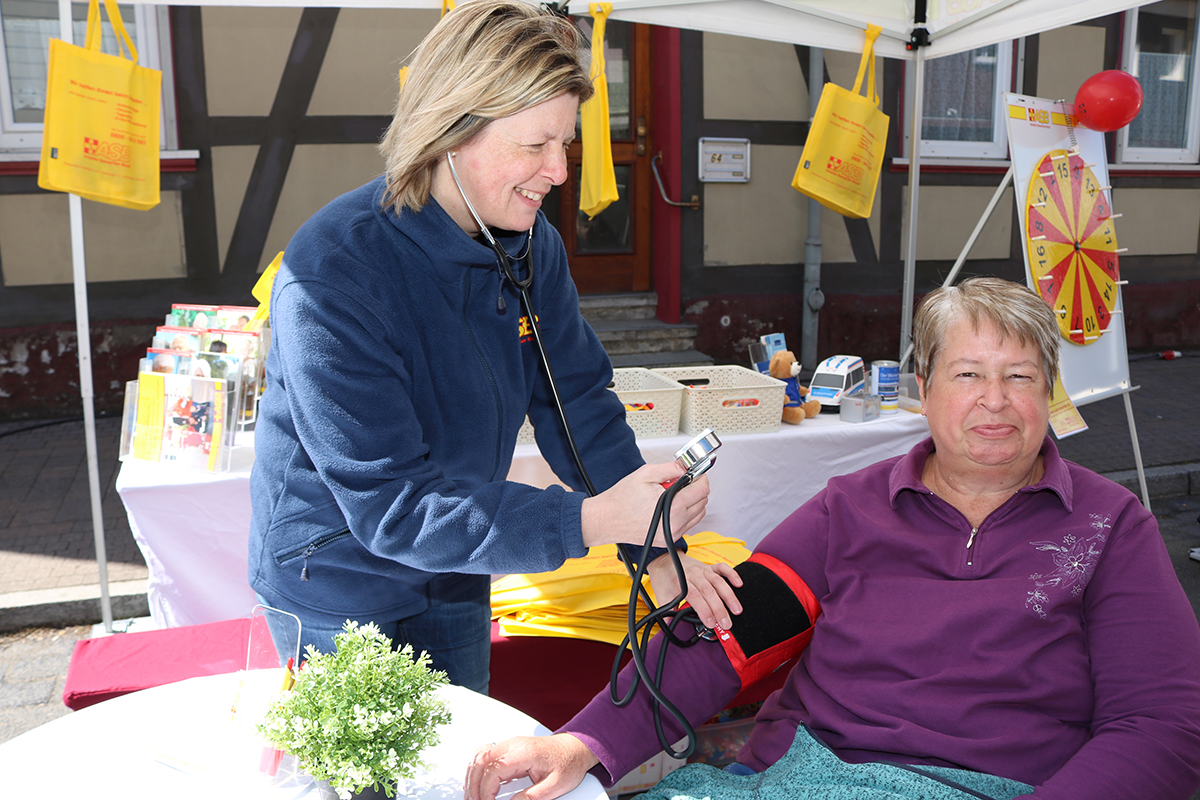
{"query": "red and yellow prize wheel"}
(1072, 245)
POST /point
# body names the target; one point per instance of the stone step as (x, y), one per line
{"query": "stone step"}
(643, 336)
(636, 305)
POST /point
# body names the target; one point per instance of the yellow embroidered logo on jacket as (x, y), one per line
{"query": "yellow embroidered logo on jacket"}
(524, 329)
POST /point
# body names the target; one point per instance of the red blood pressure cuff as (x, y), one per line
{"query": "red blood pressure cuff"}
(778, 612)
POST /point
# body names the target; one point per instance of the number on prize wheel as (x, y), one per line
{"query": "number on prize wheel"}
(1072, 244)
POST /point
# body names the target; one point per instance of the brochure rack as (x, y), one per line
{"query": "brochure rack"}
(197, 388)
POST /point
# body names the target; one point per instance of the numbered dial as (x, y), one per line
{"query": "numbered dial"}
(1072, 244)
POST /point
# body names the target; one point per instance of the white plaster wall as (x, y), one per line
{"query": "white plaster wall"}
(948, 214)
(120, 244)
(1157, 221)
(752, 79)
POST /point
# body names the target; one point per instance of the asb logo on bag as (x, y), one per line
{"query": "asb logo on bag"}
(117, 154)
(846, 169)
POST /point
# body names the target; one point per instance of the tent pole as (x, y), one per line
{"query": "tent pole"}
(814, 298)
(914, 181)
(84, 339)
(1137, 452)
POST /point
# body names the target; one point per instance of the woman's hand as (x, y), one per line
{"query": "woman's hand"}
(556, 765)
(709, 587)
(623, 513)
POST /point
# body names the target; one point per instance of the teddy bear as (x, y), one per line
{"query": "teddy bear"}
(783, 367)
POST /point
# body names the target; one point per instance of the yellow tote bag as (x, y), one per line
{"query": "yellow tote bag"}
(101, 134)
(598, 178)
(843, 156)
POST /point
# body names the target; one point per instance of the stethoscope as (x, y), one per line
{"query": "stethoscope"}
(665, 617)
(505, 262)
(502, 257)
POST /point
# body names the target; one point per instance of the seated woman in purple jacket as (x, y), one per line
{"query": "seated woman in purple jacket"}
(993, 621)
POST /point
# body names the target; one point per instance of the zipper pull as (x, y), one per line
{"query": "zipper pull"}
(304, 570)
(970, 542)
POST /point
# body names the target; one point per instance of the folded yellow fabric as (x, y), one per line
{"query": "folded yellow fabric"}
(587, 597)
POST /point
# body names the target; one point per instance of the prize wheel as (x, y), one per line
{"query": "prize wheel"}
(1072, 245)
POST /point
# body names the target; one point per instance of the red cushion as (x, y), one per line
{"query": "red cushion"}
(551, 678)
(114, 665)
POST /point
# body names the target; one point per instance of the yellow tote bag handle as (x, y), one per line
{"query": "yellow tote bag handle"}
(867, 65)
(92, 42)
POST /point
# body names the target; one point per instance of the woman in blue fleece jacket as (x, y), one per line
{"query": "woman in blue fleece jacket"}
(402, 365)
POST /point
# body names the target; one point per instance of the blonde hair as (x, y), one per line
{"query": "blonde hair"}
(485, 60)
(1012, 308)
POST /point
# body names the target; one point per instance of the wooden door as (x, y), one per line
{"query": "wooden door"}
(610, 253)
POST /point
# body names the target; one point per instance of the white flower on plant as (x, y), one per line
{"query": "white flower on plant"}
(360, 715)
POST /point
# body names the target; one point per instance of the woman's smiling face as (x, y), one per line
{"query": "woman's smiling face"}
(987, 399)
(507, 169)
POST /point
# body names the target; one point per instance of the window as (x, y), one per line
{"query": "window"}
(1160, 50)
(964, 103)
(26, 27)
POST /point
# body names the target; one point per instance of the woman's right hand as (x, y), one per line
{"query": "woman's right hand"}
(556, 765)
(623, 513)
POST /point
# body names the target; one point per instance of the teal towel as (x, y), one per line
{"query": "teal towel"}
(810, 771)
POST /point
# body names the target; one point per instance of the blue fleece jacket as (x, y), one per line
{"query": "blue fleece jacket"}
(395, 390)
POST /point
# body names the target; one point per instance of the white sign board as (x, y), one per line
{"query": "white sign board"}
(1064, 206)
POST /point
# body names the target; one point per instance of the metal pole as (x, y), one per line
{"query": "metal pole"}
(914, 181)
(1137, 452)
(814, 298)
(84, 345)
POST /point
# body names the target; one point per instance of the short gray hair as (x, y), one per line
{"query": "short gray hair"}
(485, 60)
(1012, 308)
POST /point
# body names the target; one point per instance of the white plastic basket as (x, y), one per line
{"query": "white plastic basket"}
(728, 399)
(652, 402)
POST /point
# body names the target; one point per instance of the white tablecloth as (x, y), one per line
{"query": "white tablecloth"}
(193, 527)
(122, 748)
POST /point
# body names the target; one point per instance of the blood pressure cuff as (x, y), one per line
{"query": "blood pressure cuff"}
(776, 623)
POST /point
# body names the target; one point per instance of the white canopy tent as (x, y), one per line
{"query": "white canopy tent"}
(940, 27)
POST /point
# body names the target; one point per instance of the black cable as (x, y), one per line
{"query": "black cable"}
(666, 617)
(657, 614)
(558, 403)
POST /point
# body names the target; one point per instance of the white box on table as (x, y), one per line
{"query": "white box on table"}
(660, 399)
(728, 399)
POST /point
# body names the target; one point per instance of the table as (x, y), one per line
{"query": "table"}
(120, 748)
(193, 527)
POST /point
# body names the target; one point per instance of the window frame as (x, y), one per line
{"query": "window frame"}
(1189, 154)
(1009, 55)
(152, 39)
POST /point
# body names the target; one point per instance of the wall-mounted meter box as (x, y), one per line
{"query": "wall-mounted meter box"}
(724, 160)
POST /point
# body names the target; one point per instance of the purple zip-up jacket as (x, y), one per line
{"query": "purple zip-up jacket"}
(1052, 645)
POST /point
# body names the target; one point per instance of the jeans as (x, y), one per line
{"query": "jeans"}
(455, 630)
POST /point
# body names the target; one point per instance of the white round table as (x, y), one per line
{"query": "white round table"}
(181, 741)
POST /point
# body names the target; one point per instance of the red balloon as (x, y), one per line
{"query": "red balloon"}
(1108, 100)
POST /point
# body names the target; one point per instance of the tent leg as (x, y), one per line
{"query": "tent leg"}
(914, 182)
(1137, 452)
(84, 339)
